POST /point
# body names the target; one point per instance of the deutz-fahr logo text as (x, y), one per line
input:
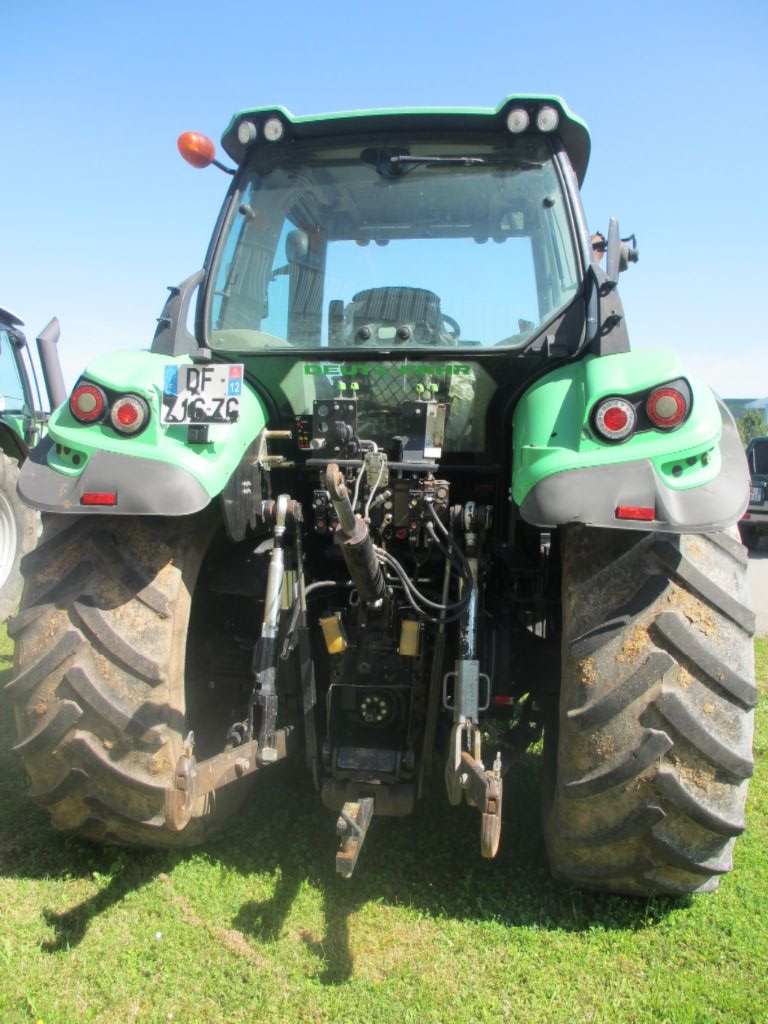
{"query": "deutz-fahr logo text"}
(383, 369)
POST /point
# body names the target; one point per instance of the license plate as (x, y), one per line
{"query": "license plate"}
(207, 393)
(756, 495)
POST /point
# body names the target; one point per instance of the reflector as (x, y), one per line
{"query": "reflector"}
(616, 419)
(127, 415)
(638, 512)
(99, 498)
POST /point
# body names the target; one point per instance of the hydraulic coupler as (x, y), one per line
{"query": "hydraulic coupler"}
(355, 541)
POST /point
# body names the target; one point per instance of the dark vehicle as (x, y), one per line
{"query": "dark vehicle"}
(405, 493)
(754, 524)
(22, 425)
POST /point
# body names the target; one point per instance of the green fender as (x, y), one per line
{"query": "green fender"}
(157, 472)
(693, 478)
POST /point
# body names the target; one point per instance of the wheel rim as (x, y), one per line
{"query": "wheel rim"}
(8, 538)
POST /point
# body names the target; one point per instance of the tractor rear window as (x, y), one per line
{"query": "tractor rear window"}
(12, 398)
(382, 246)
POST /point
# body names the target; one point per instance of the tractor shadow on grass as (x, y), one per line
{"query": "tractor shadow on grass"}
(429, 861)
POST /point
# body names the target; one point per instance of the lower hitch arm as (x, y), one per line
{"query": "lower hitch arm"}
(466, 776)
(193, 780)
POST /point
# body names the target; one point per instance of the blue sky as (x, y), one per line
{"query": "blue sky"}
(100, 213)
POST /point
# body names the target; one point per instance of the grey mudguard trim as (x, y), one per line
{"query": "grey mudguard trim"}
(591, 495)
(143, 486)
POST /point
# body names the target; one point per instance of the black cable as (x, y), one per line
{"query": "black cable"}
(450, 612)
(425, 617)
(463, 567)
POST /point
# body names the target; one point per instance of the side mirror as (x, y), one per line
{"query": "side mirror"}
(619, 253)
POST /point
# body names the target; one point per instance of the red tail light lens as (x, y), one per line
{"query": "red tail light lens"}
(87, 403)
(615, 419)
(129, 414)
(666, 408)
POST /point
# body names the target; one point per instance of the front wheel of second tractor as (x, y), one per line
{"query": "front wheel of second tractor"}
(649, 761)
(19, 527)
(113, 627)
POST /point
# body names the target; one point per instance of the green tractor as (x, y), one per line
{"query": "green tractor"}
(401, 497)
(22, 425)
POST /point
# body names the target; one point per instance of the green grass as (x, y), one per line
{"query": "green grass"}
(255, 926)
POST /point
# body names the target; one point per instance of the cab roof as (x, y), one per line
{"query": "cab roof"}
(570, 129)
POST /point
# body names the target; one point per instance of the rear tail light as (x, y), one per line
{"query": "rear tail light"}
(87, 403)
(129, 414)
(666, 407)
(662, 408)
(615, 419)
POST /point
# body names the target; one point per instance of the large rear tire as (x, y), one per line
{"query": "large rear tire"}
(648, 765)
(99, 690)
(19, 527)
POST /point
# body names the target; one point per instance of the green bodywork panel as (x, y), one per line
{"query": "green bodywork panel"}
(551, 429)
(552, 433)
(141, 373)
(572, 129)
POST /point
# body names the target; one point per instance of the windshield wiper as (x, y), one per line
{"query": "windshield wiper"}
(402, 163)
(395, 163)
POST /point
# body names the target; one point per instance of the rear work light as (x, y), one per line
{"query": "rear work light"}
(615, 419)
(274, 129)
(666, 407)
(129, 414)
(518, 120)
(547, 119)
(87, 403)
